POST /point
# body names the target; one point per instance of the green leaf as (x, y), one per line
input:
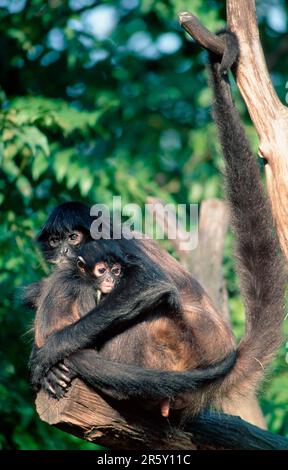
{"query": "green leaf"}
(39, 166)
(61, 163)
(34, 139)
(10, 168)
(24, 186)
(86, 181)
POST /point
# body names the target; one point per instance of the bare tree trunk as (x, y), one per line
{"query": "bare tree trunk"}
(268, 114)
(205, 262)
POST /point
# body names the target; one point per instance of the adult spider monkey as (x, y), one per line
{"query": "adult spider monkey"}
(259, 266)
(137, 299)
(99, 275)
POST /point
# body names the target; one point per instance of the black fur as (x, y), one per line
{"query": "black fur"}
(31, 294)
(66, 217)
(127, 381)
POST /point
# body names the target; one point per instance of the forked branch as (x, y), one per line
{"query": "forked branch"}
(268, 114)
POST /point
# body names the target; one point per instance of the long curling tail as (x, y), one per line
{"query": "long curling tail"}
(259, 262)
(132, 381)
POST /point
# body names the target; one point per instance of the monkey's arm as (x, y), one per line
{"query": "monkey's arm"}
(117, 308)
(122, 381)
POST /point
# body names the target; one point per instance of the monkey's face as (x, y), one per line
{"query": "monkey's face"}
(106, 274)
(65, 230)
(59, 247)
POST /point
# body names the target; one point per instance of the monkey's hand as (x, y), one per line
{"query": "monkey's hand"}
(39, 365)
(42, 360)
(58, 380)
(30, 295)
(36, 369)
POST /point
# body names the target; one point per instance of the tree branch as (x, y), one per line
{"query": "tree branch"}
(202, 35)
(124, 427)
(268, 114)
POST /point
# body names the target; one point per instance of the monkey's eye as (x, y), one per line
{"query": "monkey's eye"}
(54, 242)
(81, 263)
(75, 238)
(100, 269)
(116, 269)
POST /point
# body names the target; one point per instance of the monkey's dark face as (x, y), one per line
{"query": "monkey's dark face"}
(105, 274)
(65, 230)
(60, 246)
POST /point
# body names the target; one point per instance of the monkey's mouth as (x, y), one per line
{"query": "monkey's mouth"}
(106, 288)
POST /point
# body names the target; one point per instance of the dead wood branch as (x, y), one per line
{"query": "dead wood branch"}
(123, 427)
(268, 114)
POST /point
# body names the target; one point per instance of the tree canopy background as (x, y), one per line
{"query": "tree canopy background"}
(101, 99)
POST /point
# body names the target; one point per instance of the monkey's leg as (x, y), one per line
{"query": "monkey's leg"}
(88, 329)
(123, 381)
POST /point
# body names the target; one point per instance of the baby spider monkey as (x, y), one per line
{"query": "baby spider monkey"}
(76, 286)
(104, 273)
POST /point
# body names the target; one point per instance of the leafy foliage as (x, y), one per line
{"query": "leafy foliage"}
(101, 99)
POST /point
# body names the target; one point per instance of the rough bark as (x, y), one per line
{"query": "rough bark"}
(120, 427)
(206, 262)
(268, 114)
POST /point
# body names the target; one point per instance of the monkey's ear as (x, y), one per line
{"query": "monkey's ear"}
(81, 264)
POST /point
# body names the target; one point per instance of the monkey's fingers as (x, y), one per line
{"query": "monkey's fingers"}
(62, 366)
(57, 378)
(48, 388)
(61, 376)
(53, 391)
